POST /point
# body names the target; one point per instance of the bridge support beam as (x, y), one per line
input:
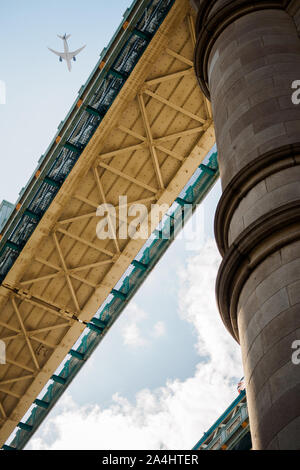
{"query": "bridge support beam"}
(247, 58)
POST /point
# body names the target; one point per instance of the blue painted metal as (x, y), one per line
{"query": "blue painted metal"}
(58, 379)
(25, 427)
(139, 265)
(119, 294)
(182, 202)
(220, 420)
(78, 355)
(206, 168)
(42, 404)
(6, 208)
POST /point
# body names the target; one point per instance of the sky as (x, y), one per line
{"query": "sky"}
(39, 89)
(168, 368)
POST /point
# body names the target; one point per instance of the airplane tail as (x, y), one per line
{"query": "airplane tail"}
(64, 37)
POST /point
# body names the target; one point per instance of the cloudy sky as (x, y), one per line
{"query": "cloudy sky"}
(168, 368)
(163, 375)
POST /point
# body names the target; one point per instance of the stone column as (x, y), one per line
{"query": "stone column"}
(247, 58)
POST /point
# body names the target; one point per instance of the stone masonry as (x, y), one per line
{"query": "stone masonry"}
(246, 59)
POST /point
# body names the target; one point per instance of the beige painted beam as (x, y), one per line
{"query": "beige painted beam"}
(191, 22)
(150, 141)
(16, 309)
(179, 57)
(128, 178)
(2, 411)
(85, 242)
(104, 201)
(16, 379)
(178, 135)
(174, 106)
(170, 76)
(118, 152)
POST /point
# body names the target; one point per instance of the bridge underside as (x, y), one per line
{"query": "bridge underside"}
(147, 147)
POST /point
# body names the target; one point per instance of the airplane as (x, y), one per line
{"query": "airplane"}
(67, 55)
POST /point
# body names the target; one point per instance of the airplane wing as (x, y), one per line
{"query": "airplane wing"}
(75, 53)
(60, 54)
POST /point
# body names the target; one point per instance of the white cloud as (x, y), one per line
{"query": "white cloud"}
(176, 415)
(132, 335)
(159, 329)
(134, 313)
(198, 306)
(131, 332)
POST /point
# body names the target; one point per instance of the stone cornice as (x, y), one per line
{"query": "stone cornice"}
(261, 239)
(259, 169)
(213, 20)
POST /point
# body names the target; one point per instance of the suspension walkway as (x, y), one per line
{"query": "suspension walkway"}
(231, 431)
(140, 127)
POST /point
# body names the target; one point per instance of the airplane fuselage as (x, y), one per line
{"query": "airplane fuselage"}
(66, 50)
(67, 55)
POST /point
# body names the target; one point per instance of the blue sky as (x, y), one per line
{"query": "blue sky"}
(39, 88)
(159, 359)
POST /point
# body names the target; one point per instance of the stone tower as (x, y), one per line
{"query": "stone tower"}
(247, 60)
